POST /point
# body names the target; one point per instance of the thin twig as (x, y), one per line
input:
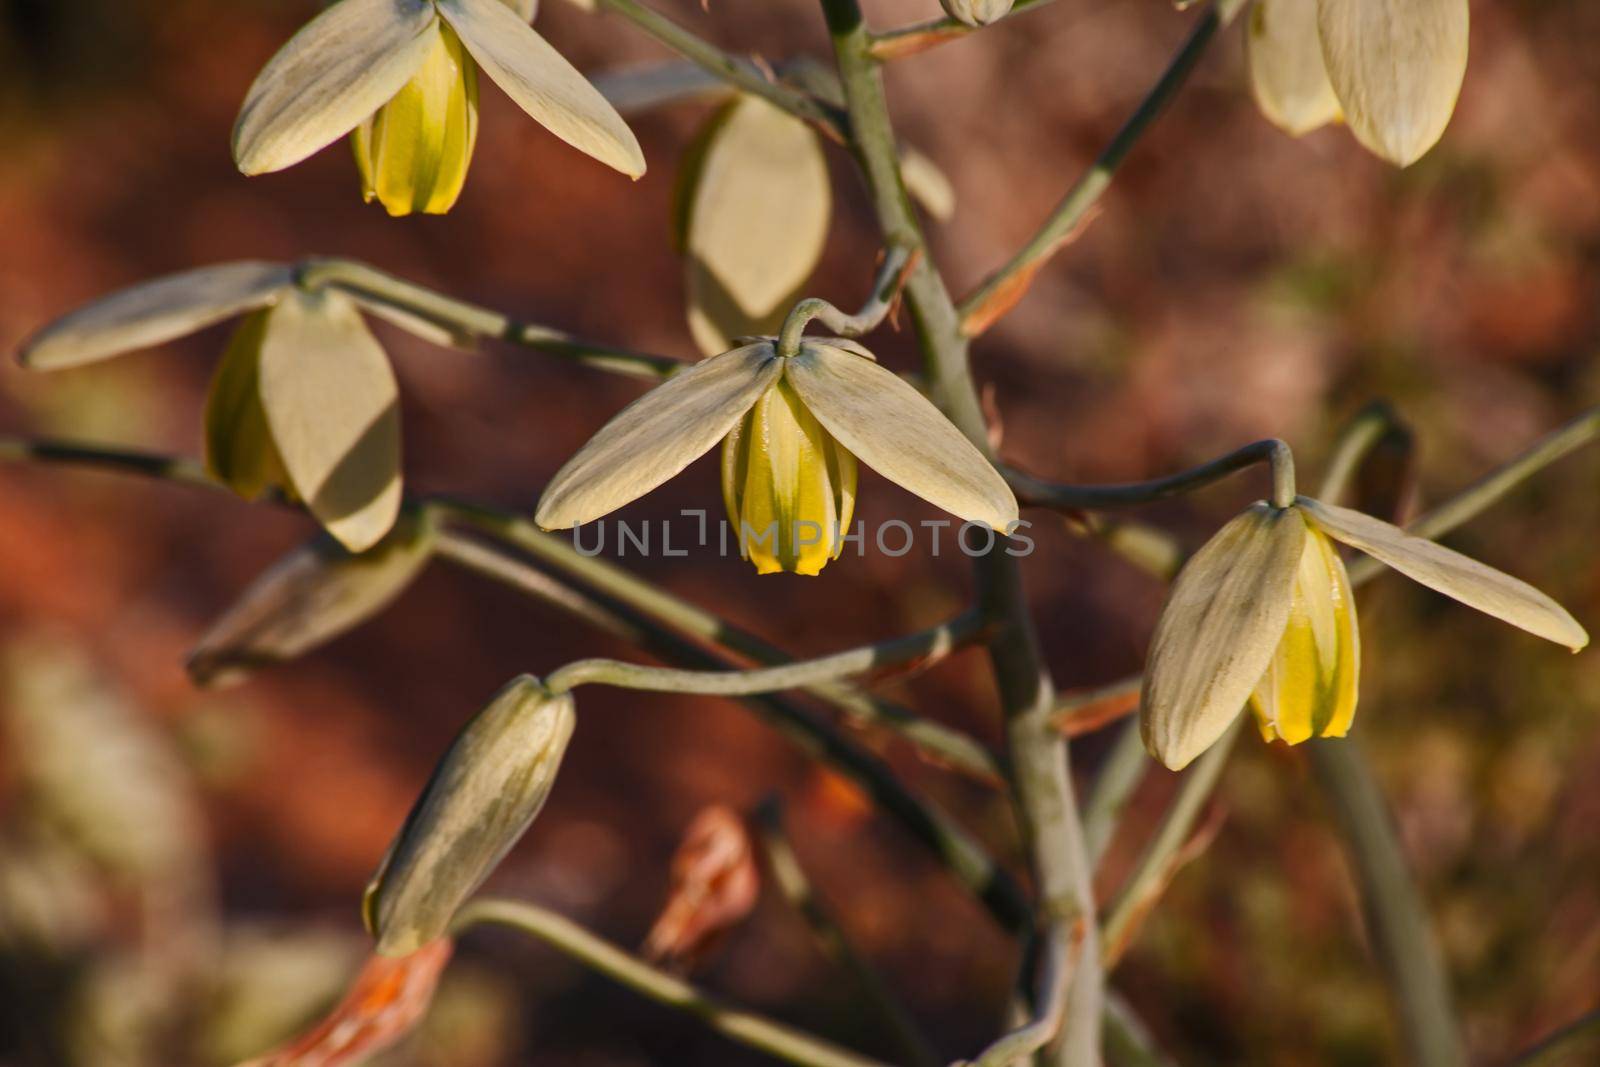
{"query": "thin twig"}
(786, 870)
(1037, 492)
(775, 1038)
(1083, 196)
(1058, 958)
(897, 264)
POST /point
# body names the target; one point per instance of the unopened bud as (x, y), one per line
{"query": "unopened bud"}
(977, 12)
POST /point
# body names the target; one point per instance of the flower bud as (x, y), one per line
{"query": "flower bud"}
(413, 153)
(976, 12)
(481, 798)
(789, 487)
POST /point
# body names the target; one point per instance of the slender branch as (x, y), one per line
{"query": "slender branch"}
(1120, 774)
(786, 870)
(470, 320)
(1040, 493)
(123, 461)
(1559, 1047)
(907, 40)
(1128, 1042)
(1138, 893)
(1062, 944)
(944, 745)
(1402, 936)
(1396, 915)
(1083, 196)
(565, 936)
(933, 643)
(732, 69)
(1043, 787)
(885, 291)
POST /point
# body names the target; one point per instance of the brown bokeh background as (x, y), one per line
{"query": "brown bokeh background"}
(1238, 284)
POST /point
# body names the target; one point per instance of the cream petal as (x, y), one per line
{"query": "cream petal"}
(893, 429)
(541, 82)
(756, 207)
(154, 312)
(525, 9)
(1287, 75)
(1397, 66)
(1221, 624)
(657, 436)
(309, 597)
(927, 184)
(1446, 571)
(329, 78)
(334, 410)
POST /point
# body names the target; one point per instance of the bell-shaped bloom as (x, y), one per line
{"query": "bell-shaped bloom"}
(753, 211)
(304, 400)
(482, 797)
(402, 76)
(1391, 68)
(976, 12)
(1263, 613)
(795, 427)
(413, 153)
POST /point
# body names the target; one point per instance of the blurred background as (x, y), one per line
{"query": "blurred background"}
(180, 870)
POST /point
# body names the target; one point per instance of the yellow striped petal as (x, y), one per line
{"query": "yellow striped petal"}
(1221, 624)
(238, 448)
(1310, 686)
(1397, 67)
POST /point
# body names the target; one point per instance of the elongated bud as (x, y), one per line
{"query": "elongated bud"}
(789, 487)
(414, 153)
(976, 12)
(311, 596)
(481, 798)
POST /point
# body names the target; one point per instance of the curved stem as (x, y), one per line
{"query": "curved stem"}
(731, 69)
(1355, 442)
(908, 40)
(885, 289)
(1000, 290)
(1063, 940)
(462, 319)
(567, 937)
(931, 644)
(1037, 492)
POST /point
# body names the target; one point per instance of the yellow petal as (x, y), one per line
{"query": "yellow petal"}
(1287, 75)
(239, 448)
(333, 408)
(755, 208)
(1221, 624)
(415, 152)
(1397, 67)
(786, 482)
(1310, 687)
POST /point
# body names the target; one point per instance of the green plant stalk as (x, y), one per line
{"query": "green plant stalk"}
(1038, 754)
(945, 745)
(774, 1038)
(469, 321)
(1273, 452)
(885, 288)
(1120, 775)
(933, 643)
(1397, 917)
(731, 69)
(1396, 914)
(783, 864)
(1075, 206)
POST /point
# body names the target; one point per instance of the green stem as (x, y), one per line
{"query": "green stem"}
(944, 745)
(933, 643)
(774, 1038)
(1073, 208)
(731, 69)
(1043, 786)
(1120, 774)
(1397, 918)
(462, 319)
(885, 288)
(892, 44)
(1057, 959)
(1355, 442)
(783, 864)
(1037, 492)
